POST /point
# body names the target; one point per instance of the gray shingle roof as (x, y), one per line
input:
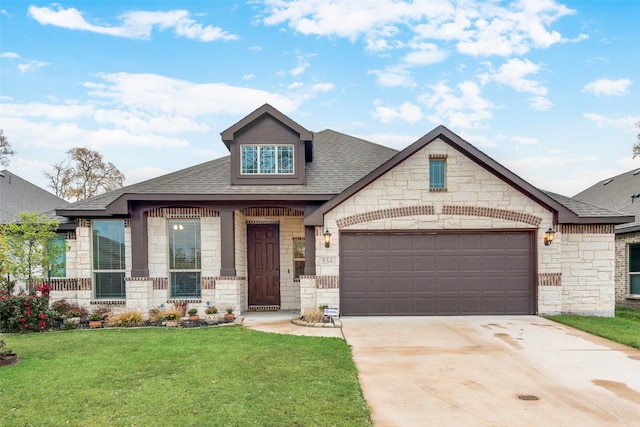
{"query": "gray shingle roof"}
(339, 160)
(19, 195)
(616, 193)
(580, 208)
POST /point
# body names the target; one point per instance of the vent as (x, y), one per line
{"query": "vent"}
(636, 172)
(607, 181)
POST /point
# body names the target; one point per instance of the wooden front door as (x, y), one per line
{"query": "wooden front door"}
(263, 259)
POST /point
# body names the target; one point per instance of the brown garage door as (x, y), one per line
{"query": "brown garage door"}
(462, 273)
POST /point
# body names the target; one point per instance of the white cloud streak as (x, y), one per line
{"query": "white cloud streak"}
(134, 24)
(607, 87)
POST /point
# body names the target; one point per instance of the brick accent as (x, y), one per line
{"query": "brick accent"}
(437, 156)
(71, 235)
(586, 229)
(383, 214)
(272, 212)
(438, 190)
(84, 223)
(67, 284)
(108, 302)
(160, 283)
(182, 213)
(327, 282)
(208, 282)
(549, 279)
(492, 213)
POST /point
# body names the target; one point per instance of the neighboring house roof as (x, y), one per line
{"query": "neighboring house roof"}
(19, 195)
(339, 160)
(566, 210)
(619, 193)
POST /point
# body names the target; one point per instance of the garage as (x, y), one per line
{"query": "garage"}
(437, 273)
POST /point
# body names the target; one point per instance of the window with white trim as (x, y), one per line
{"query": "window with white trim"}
(266, 159)
(634, 269)
(108, 259)
(184, 258)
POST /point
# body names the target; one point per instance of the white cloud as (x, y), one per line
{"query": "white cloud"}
(12, 55)
(525, 140)
(608, 87)
(514, 75)
(32, 66)
(626, 123)
(135, 24)
(407, 112)
(478, 28)
(465, 111)
(394, 77)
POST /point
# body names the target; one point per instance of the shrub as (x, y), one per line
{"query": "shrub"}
(25, 311)
(67, 309)
(211, 310)
(126, 319)
(157, 315)
(313, 315)
(192, 311)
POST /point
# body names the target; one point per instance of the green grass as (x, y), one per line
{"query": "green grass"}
(227, 376)
(624, 328)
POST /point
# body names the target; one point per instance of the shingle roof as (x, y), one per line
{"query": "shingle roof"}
(580, 208)
(19, 195)
(620, 193)
(339, 161)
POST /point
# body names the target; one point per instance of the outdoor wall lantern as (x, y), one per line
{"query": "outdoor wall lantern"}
(549, 235)
(327, 238)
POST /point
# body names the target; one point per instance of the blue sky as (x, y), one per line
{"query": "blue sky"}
(549, 89)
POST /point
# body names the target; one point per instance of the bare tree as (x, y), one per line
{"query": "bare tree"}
(636, 146)
(84, 174)
(5, 149)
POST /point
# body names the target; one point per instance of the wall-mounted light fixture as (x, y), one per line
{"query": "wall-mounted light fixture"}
(327, 238)
(178, 227)
(549, 235)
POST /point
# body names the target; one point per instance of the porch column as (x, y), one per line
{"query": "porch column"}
(309, 250)
(227, 243)
(139, 244)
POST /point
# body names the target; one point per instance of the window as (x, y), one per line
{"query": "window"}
(298, 258)
(108, 259)
(59, 266)
(267, 159)
(634, 268)
(437, 169)
(184, 258)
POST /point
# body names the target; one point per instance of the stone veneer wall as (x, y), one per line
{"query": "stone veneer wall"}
(622, 270)
(474, 199)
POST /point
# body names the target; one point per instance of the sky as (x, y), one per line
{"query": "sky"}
(549, 89)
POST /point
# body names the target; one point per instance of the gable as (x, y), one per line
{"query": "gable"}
(268, 148)
(438, 139)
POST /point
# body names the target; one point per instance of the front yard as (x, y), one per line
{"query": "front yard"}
(228, 376)
(624, 328)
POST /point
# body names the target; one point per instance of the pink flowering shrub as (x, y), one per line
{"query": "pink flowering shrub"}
(25, 311)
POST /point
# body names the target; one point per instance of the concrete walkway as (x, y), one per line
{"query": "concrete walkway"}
(483, 371)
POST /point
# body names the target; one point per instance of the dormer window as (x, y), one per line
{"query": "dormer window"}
(267, 159)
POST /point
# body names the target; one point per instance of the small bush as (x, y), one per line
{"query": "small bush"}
(157, 315)
(211, 310)
(125, 320)
(25, 311)
(67, 309)
(313, 315)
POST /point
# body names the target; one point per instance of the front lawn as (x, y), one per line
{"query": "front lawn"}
(227, 376)
(624, 328)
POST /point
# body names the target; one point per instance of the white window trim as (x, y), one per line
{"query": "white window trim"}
(260, 146)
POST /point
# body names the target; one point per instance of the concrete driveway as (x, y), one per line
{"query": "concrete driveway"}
(482, 371)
